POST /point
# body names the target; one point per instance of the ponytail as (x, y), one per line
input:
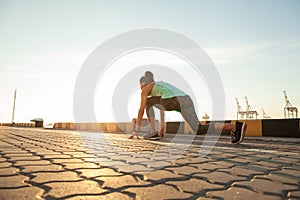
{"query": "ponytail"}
(143, 80)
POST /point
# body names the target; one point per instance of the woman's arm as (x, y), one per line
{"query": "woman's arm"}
(162, 123)
(144, 96)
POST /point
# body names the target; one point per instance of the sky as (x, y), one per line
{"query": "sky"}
(255, 46)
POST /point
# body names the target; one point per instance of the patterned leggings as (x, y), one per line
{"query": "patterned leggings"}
(182, 104)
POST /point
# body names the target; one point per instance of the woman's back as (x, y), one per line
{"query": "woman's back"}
(166, 90)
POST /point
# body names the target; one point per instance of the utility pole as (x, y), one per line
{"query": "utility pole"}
(13, 114)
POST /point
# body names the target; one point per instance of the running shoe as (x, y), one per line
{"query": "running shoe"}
(239, 134)
(151, 136)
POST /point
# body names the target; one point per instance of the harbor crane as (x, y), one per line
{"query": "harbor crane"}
(289, 110)
(265, 115)
(249, 112)
(240, 110)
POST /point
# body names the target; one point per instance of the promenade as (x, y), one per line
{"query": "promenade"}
(56, 164)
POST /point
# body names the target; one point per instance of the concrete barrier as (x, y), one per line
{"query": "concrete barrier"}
(57, 125)
(281, 128)
(257, 128)
(175, 127)
(29, 125)
(124, 127)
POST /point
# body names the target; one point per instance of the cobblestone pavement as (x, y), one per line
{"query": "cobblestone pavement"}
(52, 164)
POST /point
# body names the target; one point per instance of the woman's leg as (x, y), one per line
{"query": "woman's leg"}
(186, 107)
(187, 111)
(152, 101)
(225, 126)
(189, 114)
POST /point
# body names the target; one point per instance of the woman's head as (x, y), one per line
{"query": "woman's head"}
(145, 80)
(149, 77)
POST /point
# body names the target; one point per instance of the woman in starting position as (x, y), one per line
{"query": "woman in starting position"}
(167, 97)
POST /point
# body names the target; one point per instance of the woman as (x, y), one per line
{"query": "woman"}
(167, 97)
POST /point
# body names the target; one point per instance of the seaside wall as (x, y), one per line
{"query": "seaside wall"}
(29, 125)
(257, 128)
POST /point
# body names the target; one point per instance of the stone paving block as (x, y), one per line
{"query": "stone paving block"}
(4, 145)
(287, 161)
(77, 154)
(291, 172)
(183, 161)
(90, 173)
(268, 164)
(261, 168)
(91, 159)
(42, 151)
(133, 168)
(29, 193)
(158, 192)
(32, 162)
(28, 145)
(199, 160)
(143, 156)
(13, 181)
(64, 189)
(111, 163)
(194, 185)
(224, 164)
(219, 177)
(23, 155)
(265, 186)
(208, 166)
(293, 166)
(120, 181)
(138, 160)
(243, 160)
(264, 156)
(14, 151)
(161, 175)
(220, 156)
(240, 171)
(42, 177)
(5, 165)
(278, 178)
(25, 158)
(239, 193)
(56, 156)
(80, 165)
(289, 176)
(10, 144)
(86, 156)
(8, 171)
(294, 194)
(67, 160)
(185, 170)
(156, 164)
(125, 158)
(109, 196)
(41, 168)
